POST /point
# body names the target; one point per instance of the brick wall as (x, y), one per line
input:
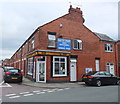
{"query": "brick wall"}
(72, 28)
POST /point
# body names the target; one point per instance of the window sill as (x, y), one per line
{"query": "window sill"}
(59, 76)
(29, 73)
(108, 51)
(77, 49)
(51, 47)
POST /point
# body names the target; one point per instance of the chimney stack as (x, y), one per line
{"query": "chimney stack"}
(76, 12)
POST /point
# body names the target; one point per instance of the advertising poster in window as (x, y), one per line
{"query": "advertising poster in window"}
(88, 70)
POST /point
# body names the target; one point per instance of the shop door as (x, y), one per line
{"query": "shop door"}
(73, 71)
(41, 72)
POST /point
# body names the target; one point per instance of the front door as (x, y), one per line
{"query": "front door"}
(110, 68)
(41, 72)
(73, 71)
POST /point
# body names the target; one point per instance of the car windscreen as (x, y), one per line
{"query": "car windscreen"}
(14, 71)
(91, 73)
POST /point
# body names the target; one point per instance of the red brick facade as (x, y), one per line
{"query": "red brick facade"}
(118, 57)
(90, 55)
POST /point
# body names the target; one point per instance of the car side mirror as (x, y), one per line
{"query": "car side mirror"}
(111, 75)
(5, 70)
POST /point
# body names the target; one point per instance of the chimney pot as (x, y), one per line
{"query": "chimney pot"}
(77, 8)
(70, 6)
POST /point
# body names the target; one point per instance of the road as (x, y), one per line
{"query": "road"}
(14, 92)
(82, 94)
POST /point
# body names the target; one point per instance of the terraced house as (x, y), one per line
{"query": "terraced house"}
(64, 49)
(118, 57)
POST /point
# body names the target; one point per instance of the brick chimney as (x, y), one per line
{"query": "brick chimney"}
(76, 11)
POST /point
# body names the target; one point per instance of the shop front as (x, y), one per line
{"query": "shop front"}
(48, 66)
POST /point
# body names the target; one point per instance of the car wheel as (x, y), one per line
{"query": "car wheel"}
(21, 81)
(5, 81)
(87, 83)
(118, 82)
(98, 83)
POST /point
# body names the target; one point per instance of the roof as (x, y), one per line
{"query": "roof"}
(104, 37)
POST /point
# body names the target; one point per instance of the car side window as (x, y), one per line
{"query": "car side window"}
(108, 74)
(101, 73)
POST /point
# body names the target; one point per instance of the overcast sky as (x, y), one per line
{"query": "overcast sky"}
(19, 19)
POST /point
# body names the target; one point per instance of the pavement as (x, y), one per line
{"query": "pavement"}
(28, 82)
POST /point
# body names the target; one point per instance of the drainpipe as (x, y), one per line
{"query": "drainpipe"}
(116, 62)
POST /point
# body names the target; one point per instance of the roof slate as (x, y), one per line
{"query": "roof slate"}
(104, 37)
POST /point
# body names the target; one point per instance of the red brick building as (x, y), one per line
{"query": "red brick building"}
(6, 62)
(64, 49)
(118, 57)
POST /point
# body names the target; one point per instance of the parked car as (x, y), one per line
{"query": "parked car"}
(5, 68)
(100, 78)
(13, 75)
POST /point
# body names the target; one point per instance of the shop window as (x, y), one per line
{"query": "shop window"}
(30, 66)
(77, 44)
(51, 41)
(59, 66)
(108, 48)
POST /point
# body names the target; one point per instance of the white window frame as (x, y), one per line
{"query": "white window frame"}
(109, 47)
(109, 65)
(29, 71)
(51, 38)
(59, 75)
(79, 42)
(33, 46)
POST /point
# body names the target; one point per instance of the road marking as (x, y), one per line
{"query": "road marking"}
(28, 95)
(1, 83)
(10, 95)
(36, 91)
(51, 91)
(55, 89)
(59, 89)
(14, 97)
(24, 92)
(66, 88)
(7, 85)
(40, 93)
(46, 90)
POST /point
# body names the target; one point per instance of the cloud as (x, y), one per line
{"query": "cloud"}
(102, 17)
(19, 19)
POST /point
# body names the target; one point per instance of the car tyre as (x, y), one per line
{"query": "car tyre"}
(87, 83)
(21, 81)
(98, 83)
(118, 82)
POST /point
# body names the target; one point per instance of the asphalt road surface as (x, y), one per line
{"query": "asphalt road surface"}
(15, 92)
(82, 94)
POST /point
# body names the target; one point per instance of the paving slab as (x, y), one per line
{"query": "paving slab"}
(28, 82)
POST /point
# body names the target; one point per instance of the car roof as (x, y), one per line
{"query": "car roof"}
(13, 69)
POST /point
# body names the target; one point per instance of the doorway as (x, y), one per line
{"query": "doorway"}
(73, 70)
(41, 71)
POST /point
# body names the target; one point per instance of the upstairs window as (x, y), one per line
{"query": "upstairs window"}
(108, 48)
(28, 46)
(77, 44)
(51, 41)
(32, 43)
